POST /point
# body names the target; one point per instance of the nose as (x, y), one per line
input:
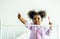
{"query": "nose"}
(36, 20)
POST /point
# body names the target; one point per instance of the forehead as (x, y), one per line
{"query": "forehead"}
(36, 16)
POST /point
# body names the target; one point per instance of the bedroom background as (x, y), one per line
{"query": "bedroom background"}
(12, 28)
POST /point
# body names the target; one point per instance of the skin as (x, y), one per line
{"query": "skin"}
(21, 19)
(36, 20)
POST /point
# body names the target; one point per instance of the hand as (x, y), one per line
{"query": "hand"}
(21, 18)
(50, 23)
(19, 15)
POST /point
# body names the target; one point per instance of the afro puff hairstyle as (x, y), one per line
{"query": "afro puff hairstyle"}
(32, 13)
(42, 14)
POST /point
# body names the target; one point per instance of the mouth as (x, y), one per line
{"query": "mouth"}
(36, 23)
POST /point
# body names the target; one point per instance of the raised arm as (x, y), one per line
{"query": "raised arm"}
(50, 23)
(21, 18)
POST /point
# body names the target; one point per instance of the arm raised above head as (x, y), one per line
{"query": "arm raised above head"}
(50, 23)
(21, 18)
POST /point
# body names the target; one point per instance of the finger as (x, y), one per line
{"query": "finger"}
(18, 15)
(50, 23)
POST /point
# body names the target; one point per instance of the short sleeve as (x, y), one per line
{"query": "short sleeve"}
(28, 25)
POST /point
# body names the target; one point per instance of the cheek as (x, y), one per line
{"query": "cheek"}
(40, 20)
(33, 20)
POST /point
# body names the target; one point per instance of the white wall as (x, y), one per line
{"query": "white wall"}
(9, 10)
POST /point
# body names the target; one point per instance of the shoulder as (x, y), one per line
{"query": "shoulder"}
(43, 27)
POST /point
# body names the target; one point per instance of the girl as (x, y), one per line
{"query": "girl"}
(38, 31)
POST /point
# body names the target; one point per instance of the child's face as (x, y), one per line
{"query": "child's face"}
(37, 19)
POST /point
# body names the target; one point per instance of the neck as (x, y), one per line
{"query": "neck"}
(37, 24)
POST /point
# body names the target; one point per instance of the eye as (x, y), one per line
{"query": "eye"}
(38, 18)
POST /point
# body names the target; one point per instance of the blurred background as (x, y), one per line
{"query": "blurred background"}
(12, 28)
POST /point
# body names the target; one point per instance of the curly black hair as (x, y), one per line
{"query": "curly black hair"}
(42, 14)
(32, 13)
